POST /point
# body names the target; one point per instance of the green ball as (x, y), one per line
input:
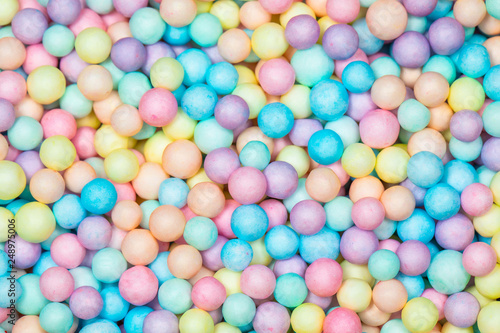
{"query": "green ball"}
(385, 66)
(209, 135)
(147, 26)
(108, 265)
(446, 273)
(75, 103)
(56, 318)
(383, 265)
(205, 30)
(58, 40)
(394, 326)
(100, 6)
(25, 134)
(132, 86)
(174, 295)
(413, 116)
(338, 214)
(291, 290)
(200, 232)
(238, 310)
(31, 301)
(491, 119)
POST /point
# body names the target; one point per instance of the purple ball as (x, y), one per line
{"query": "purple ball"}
(295, 265)
(213, 53)
(231, 112)
(455, 233)
(154, 52)
(420, 7)
(220, 164)
(411, 50)
(490, 154)
(94, 232)
(282, 180)
(64, 12)
(466, 125)
(418, 192)
(7, 115)
(160, 321)
(360, 105)
(302, 32)
(30, 162)
(340, 41)
(28, 25)
(89, 256)
(446, 36)
(211, 257)
(128, 54)
(86, 303)
(27, 254)
(461, 309)
(271, 317)
(357, 245)
(322, 302)
(72, 65)
(302, 130)
(414, 257)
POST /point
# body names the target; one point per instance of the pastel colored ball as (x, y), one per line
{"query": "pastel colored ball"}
(247, 185)
(461, 309)
(411, 40)
(258, 281)
(13, 180)
(414, 257)
(357, 245)
(329, 100)
(478, 259)
(384, 265)
(275, 120)
(463, 233)
(175, 295)
(288, 239)
(35, 222)
(208, 294)
(291, 290)
(238, 309)
(325, 147)
(28, 25)
(46, 84)
(446, 273)
(354, 294)
(368, 213)
(340, 41)
(271, 315)
(56, 317)
(302, 32)
(223, 77)
(390, 296)
(99, 196)
(195, 320)
(383, 26)
(268, 41)
(420, 315)
(341, 319)
(276, 77)
(379, 129)
(86, 303)
(466, 93)
(448, 204)
(236, 254)
(138, 285)
(87, 39)
(307, 317)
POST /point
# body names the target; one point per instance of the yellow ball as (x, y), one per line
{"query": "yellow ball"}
(182, 127)
(106, 140)
(46, 84)
(324, 23)
(89, 120)
(8, 9)
(5, 219)
(154, 147)
(354, 294)
(35, 222)
(121, 166)
(253, 95)
(202, 6)
(268, 41)
(449, 328)
(296, 9)
(196, 321)
(488, 320)
(495, 244)
(489, 285)
(57, 153)
(420, 315)
(200, 177)
(230, 280)
(93, 45)
(488, 225)
(358, 160)
(391, 165)
(297, 100)
(12, 180)
(495, 188)
(228, 13)
(466, 93)
(167, 73)
(226, 328)
(307, 318)
(260, 255)
(245, 75)
(353, 271)
(296, 157)
(483, 301)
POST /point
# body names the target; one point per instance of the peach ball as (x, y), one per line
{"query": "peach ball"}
(364, 187)
(387, 19)
(427, 139)
(167, 223)
(184, 262)
(398, 202)
(181, 159)
(139, 247)
(388, 92)
(253, 15)
(431, 89)
(126, 215)
(206, 199)
(95, 82)
(234, 44)
(322, 184)
(390, 296)
(47, 186)
(12, 53)
(78, 175)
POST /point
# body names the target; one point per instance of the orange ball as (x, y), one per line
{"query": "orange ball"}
(373, 316)
(119, 30)
(398, 202)
(410, 76)
(12, 53)
(126, 215)
(139, 247)
(178, 13)
(440, 117)
(182, 159)
(490, 26)
(78, 175)
(184, 261)
(386, 19)
(4, 147)
(104, 109)
(206, 199)
(253, 15)
(29, 324)
(427, 139)
(364, 187)
(318, 6)
(147, 182)
(390, 296)
(95, 82)
(493, 46)
(29, 108)
(431, 89)
(322, 184)
(126, 120)
(469, 12)
(204, 272)
(167, 223)
(253, 133)
(234, 45)
(47, 186)
(388, 92)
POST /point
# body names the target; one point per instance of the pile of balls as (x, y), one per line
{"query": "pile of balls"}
(267, 166)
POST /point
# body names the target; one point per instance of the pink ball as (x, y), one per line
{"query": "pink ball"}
(271, 317)
(223, 220)
(37, 56)
(342, 320)
(138, 285)
(276, 212)
(208, 293)
(94, 232)
(379, 129)
(86, 303)
(12, 86)
(247, 185)
(258, 281)
(476, 199)
(158, 107)
(58, 122)
(276, 6)
(455, 233)
(437, 298)
(87, 19)
(389, 244)
(276, 76)
(124, 191)
(220, 164)
(414, 257)
(368, 213)
(359, 55)
(66, 251)
(324, 277)
(342, 11)
(322, 302)
(307, 217)
(479, 259)
(128, 7)
(211, 257)
(84, 142)
(4, 314)
(57, 284)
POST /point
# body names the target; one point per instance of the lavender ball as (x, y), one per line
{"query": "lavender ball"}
(128, 54)
(490, 154)
(302, 130)
(64, 12)
(466, 125)
(231, 111)
(340, 41)
(411, 50)
(446, 36)
(302, 32)
(160, 321)
(28, 25)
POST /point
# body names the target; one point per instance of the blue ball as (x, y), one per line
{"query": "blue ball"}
(414, 285)
(236, 255)
(443, 65)
(368, 43)
(101, 326)
(99, 196)
(465, 151)
(209, 135)
(325, 147)
(200, 232)
(358, 77)
(281, 242)
(442, 201)
(459, 174)
(176, 36)
(312, 65)
(425, 169)
(329, 100)
(275, 120)
(69, 211)
(134, 320)
(115, 307)
(173, 191)
(195, 63)
(386, 229)
(160, 267)
(255, 154)
(222, 77)
(491, 83)
(474, 60)
(199, 101)
(4, 263)
(249, 222)
(44, 262)
(442, 8)
(419, 226)
(324, 244)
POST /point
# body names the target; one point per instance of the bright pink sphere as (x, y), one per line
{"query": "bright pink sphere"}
(342, 320)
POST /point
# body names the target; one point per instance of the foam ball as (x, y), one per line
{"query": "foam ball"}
(35, 222)
(56, 317)
(236, 254)
(478, 259)
(325, 147)
(288, 239)
(446, 273)
(99, 196)
(138, 285)
(195, 320)
(461, 309)
(238, 309)
(178, 13)
(390, 296)
(384, 265)
(175, 295)
(302, 32)
(307, 317)
(414, 257)
(184, 261)
(322, 184)
(341, 319)
(291, 290)
(448, 204)
(466, 93)
(269, 73)
(46, 84)
(383, 26)
(86, 303)
(85, 45)
(181, 159)
(354, 294)
(13, 180)
(420, 315)
(271, 315)
(425, 169)
(258, 281)
(329, 100)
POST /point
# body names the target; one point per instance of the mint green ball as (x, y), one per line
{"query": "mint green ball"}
(442, 65)
(174, 295)
(147, 26)
(238, 310)
(75, 103)
(56, 318)
(338, 214)
(31, 301)
(491, 119)
(413, 116)
(446, 273)
(383, 265)
(209, 135)
(58, 40)
(394, 326)
(200, 232)
(132, 86)
(205, 30)
(291, 290)
(25, 134)
(312, 65)
(101, 6)
(385, 66)
(108, 265)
